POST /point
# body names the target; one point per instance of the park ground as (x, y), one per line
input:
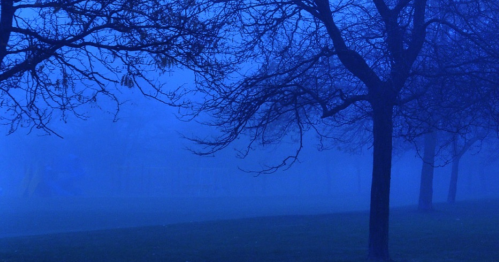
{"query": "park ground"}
(465, 231)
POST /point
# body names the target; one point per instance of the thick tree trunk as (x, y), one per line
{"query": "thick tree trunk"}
(451, 197)
(7, 11)
(380, 188)
(426, 187)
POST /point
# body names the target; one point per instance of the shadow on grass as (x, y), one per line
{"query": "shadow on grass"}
(466, 231)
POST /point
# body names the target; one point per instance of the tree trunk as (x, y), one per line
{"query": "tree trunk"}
(380, 187)
(426, 187)
(451, 198)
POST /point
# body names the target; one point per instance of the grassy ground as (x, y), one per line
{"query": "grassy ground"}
(466, 231)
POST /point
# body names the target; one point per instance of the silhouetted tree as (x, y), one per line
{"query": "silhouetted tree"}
(295, 66)
(426, 187)
(57, 55)
(453, 118)
(459, 71)
(459, 147)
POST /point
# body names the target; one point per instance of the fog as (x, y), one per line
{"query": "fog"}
(138, 170)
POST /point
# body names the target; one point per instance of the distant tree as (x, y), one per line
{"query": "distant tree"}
(288, 67)
(460, 146)
(450, 138)
(425, 202)
(453, 146)
(56, 56)
(460, 62)
(455, 119)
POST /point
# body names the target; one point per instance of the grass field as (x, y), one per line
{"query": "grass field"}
(467, 231)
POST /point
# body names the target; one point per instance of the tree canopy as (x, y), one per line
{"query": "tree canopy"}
(263, 69)
(321, 66)
(56, 56)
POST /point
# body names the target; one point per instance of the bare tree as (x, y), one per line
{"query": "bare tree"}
(461, 70)
(295, 66)
(425, 202)
(57, 55)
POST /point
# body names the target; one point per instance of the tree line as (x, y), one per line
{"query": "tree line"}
(355, 71)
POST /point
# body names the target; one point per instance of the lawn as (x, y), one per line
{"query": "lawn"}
(467, 231)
